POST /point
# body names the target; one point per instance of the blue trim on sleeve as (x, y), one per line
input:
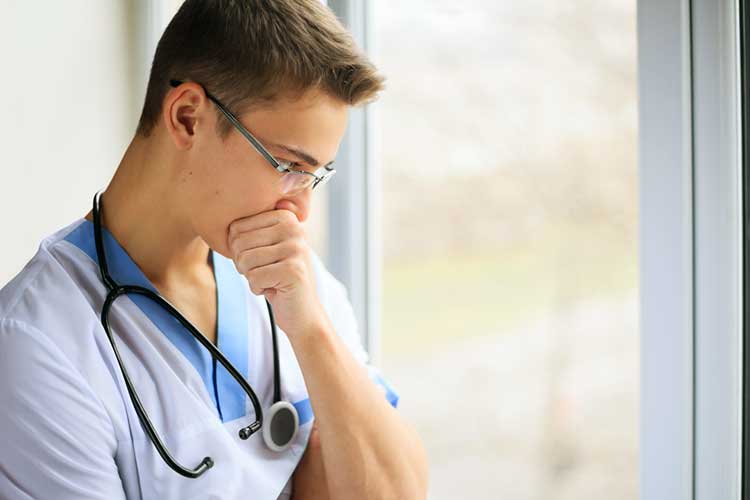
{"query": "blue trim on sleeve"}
(390, 393)
(232, 317)
(304, 409)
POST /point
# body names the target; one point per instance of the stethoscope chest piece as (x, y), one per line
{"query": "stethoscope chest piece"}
(281, 425)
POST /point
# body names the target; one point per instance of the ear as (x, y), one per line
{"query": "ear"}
(184, 110)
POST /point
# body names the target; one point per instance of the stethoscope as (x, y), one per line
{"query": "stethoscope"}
(282, 416)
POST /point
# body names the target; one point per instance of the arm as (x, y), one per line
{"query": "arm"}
(310, 482)
(55, 437)
(368, 449)
(309, 479)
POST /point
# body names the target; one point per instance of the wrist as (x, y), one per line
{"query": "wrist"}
(317, 338)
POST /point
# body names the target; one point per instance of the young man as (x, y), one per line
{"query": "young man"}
(245, 109)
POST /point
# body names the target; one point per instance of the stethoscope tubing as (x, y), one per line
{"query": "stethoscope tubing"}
(114, 290)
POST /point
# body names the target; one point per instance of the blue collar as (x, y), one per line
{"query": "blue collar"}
(232, 331)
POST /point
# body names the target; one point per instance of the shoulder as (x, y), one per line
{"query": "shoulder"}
(43, 273)
(47, 302)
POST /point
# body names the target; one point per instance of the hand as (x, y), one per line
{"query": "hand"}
(309, 479)
(271, 251)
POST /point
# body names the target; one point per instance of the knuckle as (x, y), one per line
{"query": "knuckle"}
(241, 268)
(235, 230)
(253, 287)
(238, 242)
(244, 255)
(245, 261)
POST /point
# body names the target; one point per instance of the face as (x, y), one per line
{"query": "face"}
(220, 181)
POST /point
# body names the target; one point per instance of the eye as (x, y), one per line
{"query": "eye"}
(292, 164)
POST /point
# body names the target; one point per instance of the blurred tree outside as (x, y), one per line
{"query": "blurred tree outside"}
(508, 146)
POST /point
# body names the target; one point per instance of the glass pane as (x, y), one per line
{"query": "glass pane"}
(508, 146)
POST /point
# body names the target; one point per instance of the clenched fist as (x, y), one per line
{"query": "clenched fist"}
(271, 251)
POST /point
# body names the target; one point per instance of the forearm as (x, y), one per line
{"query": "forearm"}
(369, 451)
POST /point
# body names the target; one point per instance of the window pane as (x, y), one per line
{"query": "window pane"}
(508, 145)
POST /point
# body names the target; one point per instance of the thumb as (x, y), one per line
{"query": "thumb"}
(288, 205)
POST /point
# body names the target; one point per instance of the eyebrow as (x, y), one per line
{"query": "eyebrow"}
(302, 155)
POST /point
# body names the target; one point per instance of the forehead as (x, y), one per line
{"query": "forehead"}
(313, 122)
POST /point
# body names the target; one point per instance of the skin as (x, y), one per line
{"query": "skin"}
(220, 194)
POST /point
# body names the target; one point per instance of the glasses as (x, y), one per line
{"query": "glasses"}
(294, 181)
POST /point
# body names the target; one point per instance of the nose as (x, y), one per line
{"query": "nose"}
(299, 204)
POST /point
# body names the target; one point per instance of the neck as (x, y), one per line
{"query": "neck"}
(140, 207)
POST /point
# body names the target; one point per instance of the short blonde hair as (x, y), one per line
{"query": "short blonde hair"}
(250, 52)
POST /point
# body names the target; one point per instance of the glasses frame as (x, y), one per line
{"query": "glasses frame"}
(319, 177)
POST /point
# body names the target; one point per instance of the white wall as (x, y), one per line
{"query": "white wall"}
(68, 109)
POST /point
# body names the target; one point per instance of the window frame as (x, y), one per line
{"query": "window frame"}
(354, 229)
(691, 247)
(691, 267)
(744, 34)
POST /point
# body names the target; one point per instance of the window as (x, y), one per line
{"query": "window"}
(508, 152)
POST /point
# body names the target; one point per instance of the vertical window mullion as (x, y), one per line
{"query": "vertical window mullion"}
(718, 248)
(352, 240)
(666, 249)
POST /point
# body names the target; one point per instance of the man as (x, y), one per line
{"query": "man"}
(245, 109)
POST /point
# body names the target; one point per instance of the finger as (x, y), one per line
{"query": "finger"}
(262, 237)
(274, 275)
(257, 221)
(253, 258)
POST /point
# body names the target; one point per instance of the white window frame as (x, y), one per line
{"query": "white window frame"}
(690, 249)
(354, 238)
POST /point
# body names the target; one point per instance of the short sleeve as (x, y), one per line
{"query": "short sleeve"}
(55, 437)
(335, 299)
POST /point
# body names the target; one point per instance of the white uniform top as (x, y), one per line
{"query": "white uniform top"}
(68, 428)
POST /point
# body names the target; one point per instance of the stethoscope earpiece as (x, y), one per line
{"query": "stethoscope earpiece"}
(281, 425)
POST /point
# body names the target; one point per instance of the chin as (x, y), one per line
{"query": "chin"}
(219, 246)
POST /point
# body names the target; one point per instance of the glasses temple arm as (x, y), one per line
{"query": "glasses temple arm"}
(257, 145)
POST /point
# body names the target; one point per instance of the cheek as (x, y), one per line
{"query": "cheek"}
(230, 185)
(232, 196)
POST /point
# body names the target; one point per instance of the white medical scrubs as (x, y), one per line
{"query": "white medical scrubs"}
(68, 428)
